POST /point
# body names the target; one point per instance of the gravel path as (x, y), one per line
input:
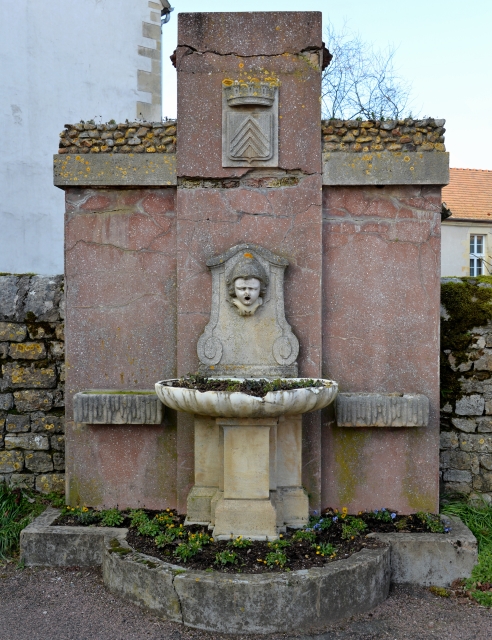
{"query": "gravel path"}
(72, 604)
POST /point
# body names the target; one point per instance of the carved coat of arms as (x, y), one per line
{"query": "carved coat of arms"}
(250, 125)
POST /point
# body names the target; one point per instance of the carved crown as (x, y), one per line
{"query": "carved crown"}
(258, 93)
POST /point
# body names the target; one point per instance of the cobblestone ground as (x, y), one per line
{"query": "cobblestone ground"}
(71, 604)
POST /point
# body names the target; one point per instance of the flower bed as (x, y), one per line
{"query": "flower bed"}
(328, 537)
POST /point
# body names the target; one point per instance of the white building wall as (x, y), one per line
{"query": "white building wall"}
(62, 61)
(455, 246)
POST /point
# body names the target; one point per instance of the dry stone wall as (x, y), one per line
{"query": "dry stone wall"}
(466, 386)
(128, 137)
(32, 423)
(337, 135)
(383, 135)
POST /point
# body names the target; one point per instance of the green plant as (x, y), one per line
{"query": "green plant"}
(186, 550)
(111, 517)
(276, 558)
(226, 557)
(319, 523)
(137, 517)
(325, 549)
(17, 510)
(163, 539)
(352, 527)
(279, 544)
(240, 543)
(149, 528)
(432, 521)
(302, 535)
(383, 515)
(164, 518)
(478, 518)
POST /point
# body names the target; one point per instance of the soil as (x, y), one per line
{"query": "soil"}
(253, 556)
(249, 386)
(72, 604)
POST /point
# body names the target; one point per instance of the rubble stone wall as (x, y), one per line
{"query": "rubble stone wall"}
(32, 422)
(466, 386)
(336, 135)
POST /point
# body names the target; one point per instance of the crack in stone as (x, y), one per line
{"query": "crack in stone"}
(297, 54)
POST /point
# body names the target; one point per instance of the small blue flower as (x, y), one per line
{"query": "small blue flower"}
(321, 520)
(315, 513)
(335, 518)
(383, 509)
(393, 516)
(447, 529)
(376, 511)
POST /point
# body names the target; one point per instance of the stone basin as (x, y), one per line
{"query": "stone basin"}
(234, 404)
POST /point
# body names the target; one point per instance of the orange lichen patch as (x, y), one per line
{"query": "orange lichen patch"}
(227, 82)
(248, 255)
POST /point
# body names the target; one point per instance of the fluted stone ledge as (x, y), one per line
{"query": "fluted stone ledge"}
(382, 410)
(117, 407)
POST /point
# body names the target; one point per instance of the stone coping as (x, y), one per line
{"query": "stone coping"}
(117, 407)
(340, 168)
(115, 170)
(304, 600)
(45, 545)
(382, 410)
(430, 558)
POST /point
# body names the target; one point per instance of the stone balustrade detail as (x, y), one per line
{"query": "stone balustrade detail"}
(113, 407)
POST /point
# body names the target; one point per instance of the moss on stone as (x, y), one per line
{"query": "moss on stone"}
(349, 447)
(468, 304)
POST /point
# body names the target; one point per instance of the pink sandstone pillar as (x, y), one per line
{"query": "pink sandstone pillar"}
(277, 207)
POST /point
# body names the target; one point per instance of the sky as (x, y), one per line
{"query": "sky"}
(444, 50)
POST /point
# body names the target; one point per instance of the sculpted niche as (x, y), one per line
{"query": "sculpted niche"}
(248, 335)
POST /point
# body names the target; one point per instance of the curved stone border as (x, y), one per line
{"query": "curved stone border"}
(246, 603)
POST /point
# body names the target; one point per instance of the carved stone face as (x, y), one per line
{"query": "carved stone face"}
(247, 290)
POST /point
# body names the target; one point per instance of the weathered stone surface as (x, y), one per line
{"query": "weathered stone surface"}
(201, 72)
(476, 442)
(486, 462)
(51, 483)
(12, 331)
(29, 400)
(12, 292)
(125, 407)
(11, 461)
(27, 351)
(149, 169)
(35, 442)
(263, 603)
(57, 443)
(22, 481)
(453, 475)
(45, 545)
(43, 298)
(17, 423)
(455, 460)
(41, 423)
(431, 558)
(58, 461)
(38, 461)
(143, 580)
(381, 410)
(470, 406)
(6, 401)
(371, 168)
(4, 349)
(469, 426)
(29, 376)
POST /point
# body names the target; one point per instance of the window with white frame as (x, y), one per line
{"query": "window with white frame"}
(477, 255)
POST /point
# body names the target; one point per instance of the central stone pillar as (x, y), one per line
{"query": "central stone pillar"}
(249, 171)
(245, 508)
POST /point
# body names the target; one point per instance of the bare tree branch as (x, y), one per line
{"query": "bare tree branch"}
(361, 81)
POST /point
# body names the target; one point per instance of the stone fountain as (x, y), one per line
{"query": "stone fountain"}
(248, 450)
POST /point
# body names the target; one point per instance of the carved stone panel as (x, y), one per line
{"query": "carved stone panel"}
(248, 335)
(249, 124)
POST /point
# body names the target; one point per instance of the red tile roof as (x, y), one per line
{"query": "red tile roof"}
(469, 194)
